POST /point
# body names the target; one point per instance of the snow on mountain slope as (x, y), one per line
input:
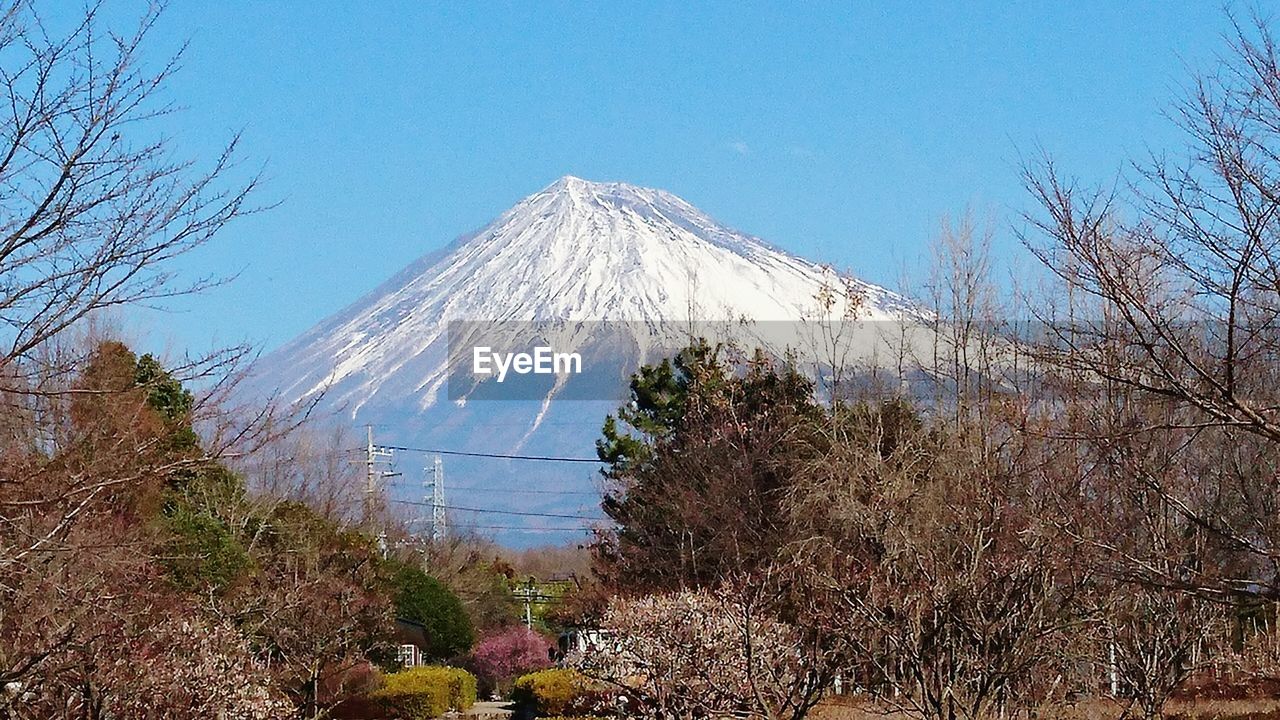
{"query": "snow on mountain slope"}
(576, 250)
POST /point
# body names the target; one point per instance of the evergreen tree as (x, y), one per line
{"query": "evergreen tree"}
(659, 394)
(426, 601)
(697, 490)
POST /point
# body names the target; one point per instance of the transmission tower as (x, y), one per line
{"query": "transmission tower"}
(435, 498)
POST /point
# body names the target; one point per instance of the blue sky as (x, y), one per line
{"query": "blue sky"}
(842, 132)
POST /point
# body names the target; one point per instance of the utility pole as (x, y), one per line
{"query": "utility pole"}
(374, 457)
(435, 498)
(527, 595)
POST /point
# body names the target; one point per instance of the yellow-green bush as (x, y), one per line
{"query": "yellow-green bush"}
(462, 689)
(549, 693)
(421, 693)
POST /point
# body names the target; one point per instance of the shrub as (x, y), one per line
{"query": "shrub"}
(462, 689)
(557, 692)
(426, 692)
(508, 654)
(348, 684)
(362, 707)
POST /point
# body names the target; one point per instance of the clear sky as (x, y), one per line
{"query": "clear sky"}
(842, 132)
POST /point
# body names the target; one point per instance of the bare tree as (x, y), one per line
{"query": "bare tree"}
(924, 527)
(927, 542)
(317, 608)
(1173, 289)
(94, 203)
(1152, 640)
(830, 333)
(316, 466)
(91, 208)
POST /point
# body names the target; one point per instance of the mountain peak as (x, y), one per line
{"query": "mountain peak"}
(575, 201)
(573, 182)
(598, 195)
(567, 181)
(575, 251)
(571, 185)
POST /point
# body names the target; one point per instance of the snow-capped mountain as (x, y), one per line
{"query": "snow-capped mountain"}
(572, 253)
(576, 250)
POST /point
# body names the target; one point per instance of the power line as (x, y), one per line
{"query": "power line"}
(504, 512)
(528, 491)
(586, 422)
(525, 513)
(580, 528)
(537, 598)
(497, 456)
(529, 528)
